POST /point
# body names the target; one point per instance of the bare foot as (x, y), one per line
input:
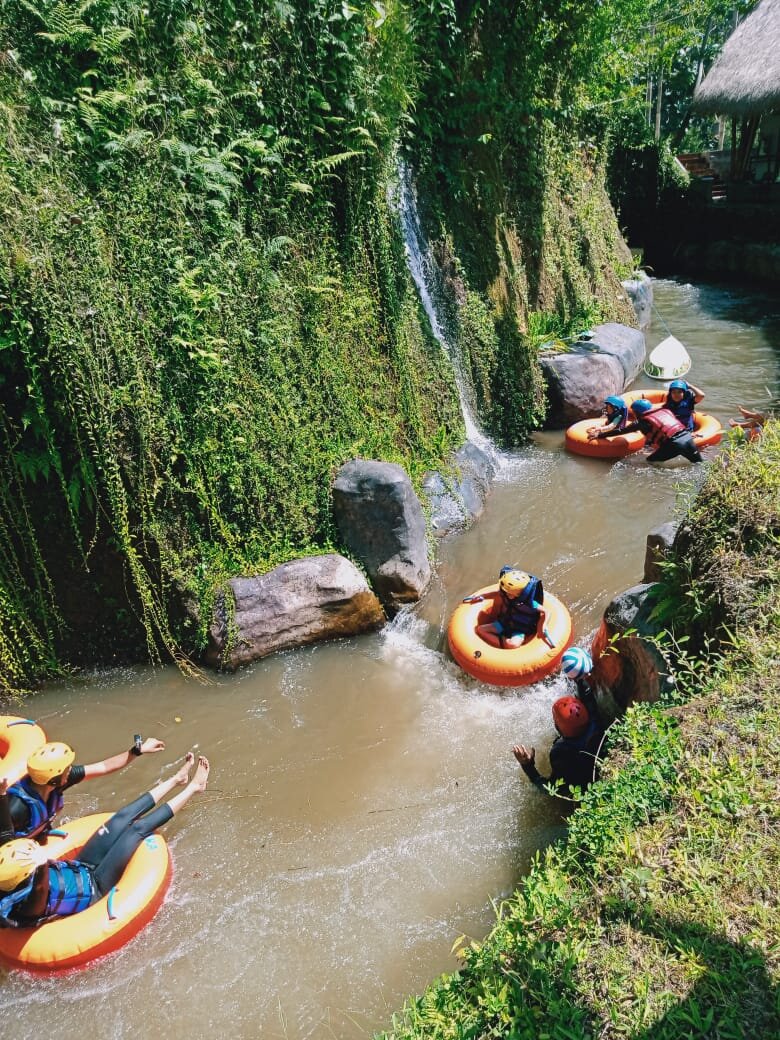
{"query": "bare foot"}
(201, 777)
(183, 775)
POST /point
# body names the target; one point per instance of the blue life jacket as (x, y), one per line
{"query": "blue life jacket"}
(70, 888)
(683, 409)
(41, 813)
(619, 418)
(517, 615)
(10, 899)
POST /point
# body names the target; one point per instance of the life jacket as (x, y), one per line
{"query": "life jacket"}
(517, 615)
(619, 418)
(663, 425)
(573, 759)
(70, 888)
(9, 901)
(41, 813)
(682, 409)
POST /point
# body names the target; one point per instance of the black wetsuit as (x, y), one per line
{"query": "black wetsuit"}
(106, 854)
(681, 443)
(573, 761)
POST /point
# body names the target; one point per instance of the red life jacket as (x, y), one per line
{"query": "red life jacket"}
(664, 425)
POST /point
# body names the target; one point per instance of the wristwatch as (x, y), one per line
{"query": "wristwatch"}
(137, 742)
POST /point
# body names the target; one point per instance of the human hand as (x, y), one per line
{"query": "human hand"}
(4, 785)
(152, 744)
(525, 756)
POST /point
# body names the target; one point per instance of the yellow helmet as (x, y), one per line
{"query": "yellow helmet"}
(18, 860)
(49, 761)
(513, 583)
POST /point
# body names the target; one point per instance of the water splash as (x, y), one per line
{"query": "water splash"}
(424, 271)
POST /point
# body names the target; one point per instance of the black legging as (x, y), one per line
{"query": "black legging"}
(111, 848)
(680, 444)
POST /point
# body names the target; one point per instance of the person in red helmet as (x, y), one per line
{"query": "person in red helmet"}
(574, 754)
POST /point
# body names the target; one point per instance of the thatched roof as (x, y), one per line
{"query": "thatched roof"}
(745, 79)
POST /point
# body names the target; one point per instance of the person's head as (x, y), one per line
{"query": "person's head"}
(570, 716)
(576, 662)
(640, 407)
(513, 583)
(612, 405)
(677, 389)
(18, 860)
(50, 764)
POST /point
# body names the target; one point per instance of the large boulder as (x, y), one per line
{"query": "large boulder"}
(628, 665)
(456, 501)
(591, 369)
(577, 385)
(640, 292)
(382, 523)
(625, 344)
(659, 546)
(304, 601)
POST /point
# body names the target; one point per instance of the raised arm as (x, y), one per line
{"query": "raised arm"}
(698, 395)
(111, 765)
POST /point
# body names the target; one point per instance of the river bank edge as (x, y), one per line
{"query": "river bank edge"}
(658, 914)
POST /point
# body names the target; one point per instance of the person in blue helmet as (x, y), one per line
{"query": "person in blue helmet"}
(663, 431)
(682, 399)
(615, 415)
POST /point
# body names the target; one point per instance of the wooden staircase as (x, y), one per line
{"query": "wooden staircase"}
(699, 168)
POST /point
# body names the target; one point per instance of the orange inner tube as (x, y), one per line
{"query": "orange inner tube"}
(518, 666)
(68, 942)
(706, 430)
(18, 739)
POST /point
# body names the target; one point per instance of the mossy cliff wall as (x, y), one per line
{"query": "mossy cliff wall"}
(204, 301)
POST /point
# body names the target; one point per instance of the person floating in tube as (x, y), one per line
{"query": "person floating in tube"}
(521, 615)
(615, 416)
(663, 432)
(574, 754)
(35, 888)
(682, 399)
(37, 798)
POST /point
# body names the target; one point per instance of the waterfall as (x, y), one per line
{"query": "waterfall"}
(423, 270)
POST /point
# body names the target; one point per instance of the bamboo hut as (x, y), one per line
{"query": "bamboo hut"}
(744, 83)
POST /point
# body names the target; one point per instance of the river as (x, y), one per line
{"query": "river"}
(364, 808)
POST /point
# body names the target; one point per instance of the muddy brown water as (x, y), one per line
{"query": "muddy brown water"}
(364, 808)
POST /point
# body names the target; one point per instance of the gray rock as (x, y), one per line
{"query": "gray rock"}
(454, 503)
(628, 666)
(659, 546)
(624, 343)
(382, 523)
(580, 379)
(577, 385)
(304, 601)
(640, 291)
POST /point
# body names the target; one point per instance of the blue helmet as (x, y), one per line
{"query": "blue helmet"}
(616, 402)
(641, 406)
(678, 384)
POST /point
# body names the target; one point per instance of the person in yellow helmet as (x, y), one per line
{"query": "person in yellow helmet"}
(37, 798)
(35, 888)
(521, 615)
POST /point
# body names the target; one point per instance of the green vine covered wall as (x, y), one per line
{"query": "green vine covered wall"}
(204, 302)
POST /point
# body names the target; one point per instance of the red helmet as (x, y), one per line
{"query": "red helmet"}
(570, 716)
